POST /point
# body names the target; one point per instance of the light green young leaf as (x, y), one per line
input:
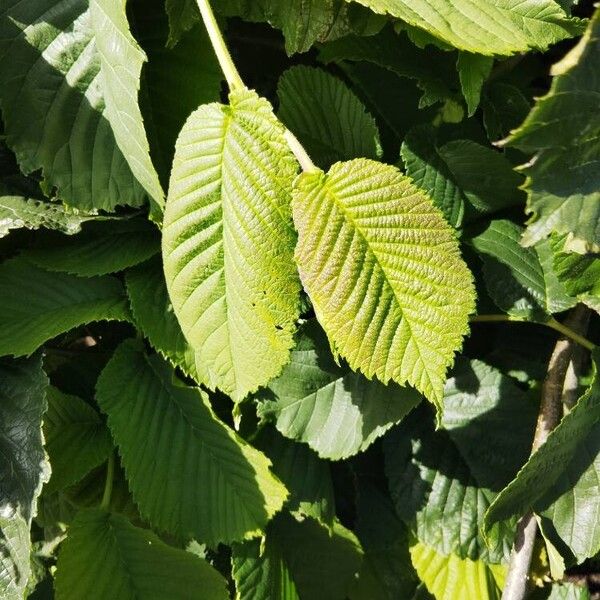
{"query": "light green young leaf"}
(328, 119)
(23, 465)
(37, 305)
(307, 477)
(563, 181)
(18, 211)
(473, 70)
(450, 577)
(548, 464)
(153, 314)
(338, 413)
(301, 559)
(562, 591)
(228, 242)
(384, 273)
(49, 69)
(514, 276)
(192, 476)
(105, 556)
(100, 249)
(493, 27)
(76, 439)
(121, 61)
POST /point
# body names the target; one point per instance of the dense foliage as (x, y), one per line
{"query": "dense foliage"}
(298, 299)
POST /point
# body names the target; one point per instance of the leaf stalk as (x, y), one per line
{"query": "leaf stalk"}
(108, 485)
(562, 328)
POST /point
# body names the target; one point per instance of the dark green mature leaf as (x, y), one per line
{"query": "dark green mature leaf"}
(550, 462)
(443, 481)
(121, 61)
(387, 572)
(192, 476)
(23, 465)
(37, 305)
(490, 28)
(49, 69)
(450, 577)
(190, 68)
(514, 276)
(153, 314)
(580, 274)
(572, 505)
(433, 70)
(383, 271)
(228, 242)
(19, 211)
(504, 108)
(473, 70)
(335, 411)
(435, 493)
(301, 559)
(490, 420)
(302, 22)
(563, 128)
(307, 477)
(102, 248)
(105, 556)
(76, 439)
(328, 119)
(463, 178)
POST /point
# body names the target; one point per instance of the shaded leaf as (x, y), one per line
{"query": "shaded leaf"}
(192, 476)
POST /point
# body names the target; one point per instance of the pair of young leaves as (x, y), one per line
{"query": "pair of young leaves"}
(381, 266)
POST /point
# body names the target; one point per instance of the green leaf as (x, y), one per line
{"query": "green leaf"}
(121, 61)
(183, 15)
(153, 314)
(18, 211)
(23, 464)
(573, 503)
(432, 69)
(504, 108)
(495, 27)
(383, 271)
(190, 67)
(49, 70)
(563, 129)
(300, 560)
(473, 70)
(76, 439)
(490, 420)
(579, 274)
(328, 119)
(100, 249)
(450, 577)
(550, 461)
(514, 276)
(307, 478)
(36, 305)
(302, 22)
(463, 178)
(387, 572)
(105, 556)
(437, 495)
(192, 476)
(335, 411)
(562, 591)
(228, 243)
